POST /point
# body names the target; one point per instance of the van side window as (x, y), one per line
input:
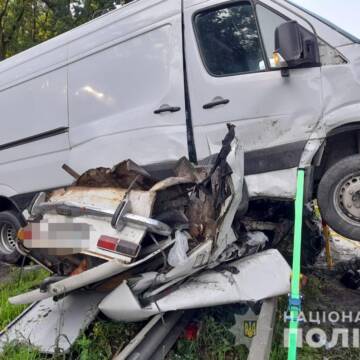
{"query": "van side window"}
(229, 40)
(268, 22)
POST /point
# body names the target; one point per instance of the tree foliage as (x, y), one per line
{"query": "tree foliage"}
(25, 23)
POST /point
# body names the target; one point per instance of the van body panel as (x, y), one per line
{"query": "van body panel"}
(263, 105)
(344, 81)
(275, 184)
(101, 83)
(36, 142)
(34, 106)
(114, 93)
(145, 145)
(7, 191)
(36, 173)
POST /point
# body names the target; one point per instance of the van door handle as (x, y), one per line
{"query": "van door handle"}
(167, 108)
(216, 102)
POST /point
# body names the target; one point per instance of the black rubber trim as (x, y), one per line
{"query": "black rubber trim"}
(188, 114)
(344, 128)
(273, 159)
(256, 162)
(30, 139)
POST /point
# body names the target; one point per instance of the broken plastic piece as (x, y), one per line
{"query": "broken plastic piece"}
(177, 254)
(257, 238)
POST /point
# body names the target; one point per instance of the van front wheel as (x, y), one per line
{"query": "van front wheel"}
(339, 197)
(9, 226)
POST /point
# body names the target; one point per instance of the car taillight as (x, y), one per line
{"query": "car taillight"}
(119, 246)
(107, 243)
(24, 234)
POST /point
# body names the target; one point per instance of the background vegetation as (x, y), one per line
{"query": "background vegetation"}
(25, 23)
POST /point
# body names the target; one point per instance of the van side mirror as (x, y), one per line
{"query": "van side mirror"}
(295, 47)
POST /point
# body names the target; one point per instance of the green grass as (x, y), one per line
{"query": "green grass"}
(20, 352)
(278, 351)
(101, 342)
(104, 340)
(215, 341)
(14, 286)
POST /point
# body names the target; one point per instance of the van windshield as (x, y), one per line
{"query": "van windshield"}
(340, 15)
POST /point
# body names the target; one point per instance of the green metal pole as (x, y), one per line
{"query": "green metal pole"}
(296, 267)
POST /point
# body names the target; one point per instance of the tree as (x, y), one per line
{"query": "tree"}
(25, 23)
(11, 15)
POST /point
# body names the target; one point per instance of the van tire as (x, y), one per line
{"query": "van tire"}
(339, 197)
(9, 226)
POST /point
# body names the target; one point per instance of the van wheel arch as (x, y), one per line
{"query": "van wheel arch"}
(340, 160)
(340, 143)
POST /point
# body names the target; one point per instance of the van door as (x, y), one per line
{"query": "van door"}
(126, 92)
(229, 49)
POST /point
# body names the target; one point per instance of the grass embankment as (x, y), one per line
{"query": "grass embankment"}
(101, 342)
(214, 342)
(14, 284)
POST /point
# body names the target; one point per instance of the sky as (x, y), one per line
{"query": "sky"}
(343, 13)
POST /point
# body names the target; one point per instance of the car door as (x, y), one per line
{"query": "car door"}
(229, 48)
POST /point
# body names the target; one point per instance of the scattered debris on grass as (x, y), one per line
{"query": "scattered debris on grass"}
(214, 340)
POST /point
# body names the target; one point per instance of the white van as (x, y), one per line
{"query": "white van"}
(158, 79)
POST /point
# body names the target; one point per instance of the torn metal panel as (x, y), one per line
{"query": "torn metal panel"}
(268, 270)
(193, 262)
(202, 216)
(184, 168)
(196, 260)
(51, 326)
(141, 202)
(225, 235)
(98, 273)
(121, 175)
(205, 199)
(276, 184)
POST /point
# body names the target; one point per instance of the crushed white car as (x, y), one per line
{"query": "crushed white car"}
(152, 246)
